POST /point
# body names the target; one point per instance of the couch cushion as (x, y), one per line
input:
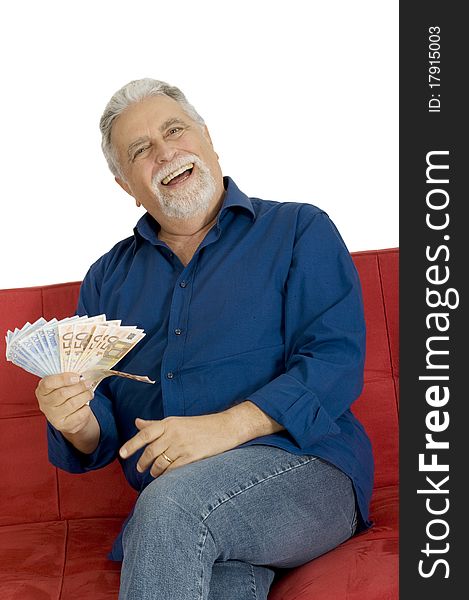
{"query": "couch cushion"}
(17, 307)
(377, 363)
(361, 569)
(31, 489)
(63, 560)
(389, 271)
(377, 405)
(28, 484)
(60, 300)
(111, 494)
(88, 573)
(17, 391)
(32, 560)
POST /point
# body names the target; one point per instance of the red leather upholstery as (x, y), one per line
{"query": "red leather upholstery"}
(56, 528)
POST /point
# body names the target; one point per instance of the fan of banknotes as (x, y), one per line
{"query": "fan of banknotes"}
(90, 346)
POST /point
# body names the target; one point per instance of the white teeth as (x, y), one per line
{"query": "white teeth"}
(167, 179)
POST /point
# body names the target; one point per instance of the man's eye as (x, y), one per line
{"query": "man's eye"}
(140, 150)
(174, 130)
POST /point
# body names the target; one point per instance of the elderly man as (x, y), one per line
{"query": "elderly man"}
(245, 452)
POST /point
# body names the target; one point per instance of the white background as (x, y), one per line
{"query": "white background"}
(300, 98)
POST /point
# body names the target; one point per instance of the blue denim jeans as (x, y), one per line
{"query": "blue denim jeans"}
(217, 529)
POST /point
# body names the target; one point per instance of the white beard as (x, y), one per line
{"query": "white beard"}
(193, 198)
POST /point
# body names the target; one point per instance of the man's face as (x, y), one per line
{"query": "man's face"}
(167, 159)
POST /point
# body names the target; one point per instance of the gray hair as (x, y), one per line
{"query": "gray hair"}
(132, 92)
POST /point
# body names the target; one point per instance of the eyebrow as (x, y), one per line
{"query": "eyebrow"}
(172, 121)
(145, 139)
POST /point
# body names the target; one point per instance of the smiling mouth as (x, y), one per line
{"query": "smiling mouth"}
(178, 175)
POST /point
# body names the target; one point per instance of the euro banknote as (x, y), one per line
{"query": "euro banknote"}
(90, 346)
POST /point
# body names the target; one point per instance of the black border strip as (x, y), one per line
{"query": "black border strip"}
(433, 232)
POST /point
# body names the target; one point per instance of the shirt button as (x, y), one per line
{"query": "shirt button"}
(178, 331)
(170, 375)
(183, 284)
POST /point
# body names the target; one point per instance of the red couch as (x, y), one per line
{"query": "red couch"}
(56, 528)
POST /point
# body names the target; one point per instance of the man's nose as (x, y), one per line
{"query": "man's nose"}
(165, 153)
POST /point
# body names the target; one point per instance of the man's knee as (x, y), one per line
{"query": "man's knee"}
(165, 517)
(167, 499)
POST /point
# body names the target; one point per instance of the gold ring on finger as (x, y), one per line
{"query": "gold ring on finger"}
(166, 457)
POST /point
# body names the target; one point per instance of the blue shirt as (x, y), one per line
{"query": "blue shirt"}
(269, 309)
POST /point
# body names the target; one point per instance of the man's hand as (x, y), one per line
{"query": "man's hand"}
(183, 439)
(63, 400)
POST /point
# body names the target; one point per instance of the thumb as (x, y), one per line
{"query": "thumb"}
(142, 423)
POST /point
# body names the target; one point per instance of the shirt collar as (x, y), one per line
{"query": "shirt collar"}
(235, 197)
(147, 228)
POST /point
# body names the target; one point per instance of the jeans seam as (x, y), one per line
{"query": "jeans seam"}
(353, 527)
(201, 543)
(201, 549)
(254, 483)
(253, 581)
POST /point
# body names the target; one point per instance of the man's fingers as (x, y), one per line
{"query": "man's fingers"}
(141, 439)
(73, 404)
(62, 395)
(179, 462)
(142, 423)
(152, 455)
(52, 382)
(74, 422)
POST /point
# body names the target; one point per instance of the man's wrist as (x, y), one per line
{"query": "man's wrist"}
(248, 421)
(87, 439)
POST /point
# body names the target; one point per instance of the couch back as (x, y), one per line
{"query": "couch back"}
(31, 489)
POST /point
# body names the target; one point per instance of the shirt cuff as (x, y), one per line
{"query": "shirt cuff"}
(289, 403)
(64, 455)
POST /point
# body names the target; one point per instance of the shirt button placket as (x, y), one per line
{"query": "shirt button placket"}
(172, 396)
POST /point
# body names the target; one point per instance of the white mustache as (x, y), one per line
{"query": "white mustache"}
(176, 164)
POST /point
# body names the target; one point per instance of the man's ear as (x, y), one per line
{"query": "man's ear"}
(127, 189)
(207, 135)
(123, 185)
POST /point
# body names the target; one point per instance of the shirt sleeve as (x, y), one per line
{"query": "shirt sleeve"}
(324, 336)
(62, 453)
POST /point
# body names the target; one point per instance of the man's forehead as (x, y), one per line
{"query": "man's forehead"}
(142, 118)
